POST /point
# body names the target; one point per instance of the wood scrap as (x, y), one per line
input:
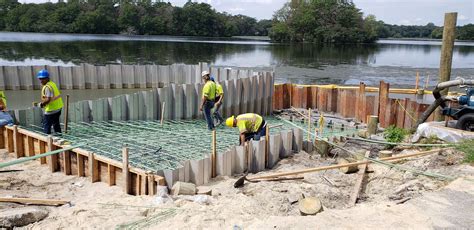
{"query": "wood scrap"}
(355, 193)
(309, 206)
(30, 201)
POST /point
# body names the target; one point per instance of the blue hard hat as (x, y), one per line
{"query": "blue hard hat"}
(42, 74)
(212, 78)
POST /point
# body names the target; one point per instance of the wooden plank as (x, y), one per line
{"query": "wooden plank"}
(80, 165)
(125, 172)
(151, 185)
(392, 114)
(143, 185)
(52, 159)
(360, 103)
(42, 149)
(10, 143)
(400, 113)
(360, 178)
(67, 162)
(314, 97)
(383, 101)
(93, 168)
(33, 134)
(31, 146)
(111, 173)
(369, 107)
(18, 143)
(160, 180)
(33, 201)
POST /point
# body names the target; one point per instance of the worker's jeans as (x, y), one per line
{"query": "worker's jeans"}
(51, 120)
(217, 114)
(262, 131)
(208, 105)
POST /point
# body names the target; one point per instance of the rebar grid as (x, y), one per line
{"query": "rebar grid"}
(154, 146)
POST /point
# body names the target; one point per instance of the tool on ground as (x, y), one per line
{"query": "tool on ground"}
(241, 180)
(34, 201)
(464, 113)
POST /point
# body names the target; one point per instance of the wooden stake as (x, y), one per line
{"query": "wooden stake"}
(162, 112)
(33, 201)
(267, 142)
(93, 168)
(52, 159)
(417, 81)
(309, 124)
(213, 153)
(67, 162)
(125, 172)
(66, 113)
(18, 143)
(372, 125)
(358, 184)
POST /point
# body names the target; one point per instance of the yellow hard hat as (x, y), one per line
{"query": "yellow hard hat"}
(230, 121)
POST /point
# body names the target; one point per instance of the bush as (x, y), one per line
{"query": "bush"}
(394, 134)
(467, 147)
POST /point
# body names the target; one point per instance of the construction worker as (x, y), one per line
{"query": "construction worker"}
(208, 98)
(51, 102)
(251, 126)
(218, 102)
(3, 101)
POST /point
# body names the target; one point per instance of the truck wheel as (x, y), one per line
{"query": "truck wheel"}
(466, 122)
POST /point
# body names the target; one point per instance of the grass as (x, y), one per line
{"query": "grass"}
(467, 147)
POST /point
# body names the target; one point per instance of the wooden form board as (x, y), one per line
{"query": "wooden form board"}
(351, 102)
(80, 162)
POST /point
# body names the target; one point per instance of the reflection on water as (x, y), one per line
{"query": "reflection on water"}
(22, 99)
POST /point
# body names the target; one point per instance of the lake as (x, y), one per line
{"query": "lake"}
(395, 61)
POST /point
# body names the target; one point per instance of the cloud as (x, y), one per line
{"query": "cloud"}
(236, 9)
(462, 17)
(405, 22)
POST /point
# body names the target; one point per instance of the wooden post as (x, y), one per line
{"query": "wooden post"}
(67, 162)
(213, 153)
(267, 142)
(10, 141)
(125, 172)
(417, 81)
(53, 159)
(446, 60)
(309, 125)
(372, 125)
(18, 143)
(66, 113)
(162, 112)
(383, 101)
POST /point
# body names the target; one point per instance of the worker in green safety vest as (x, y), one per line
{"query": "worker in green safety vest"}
(208, 98)
(251, 126)
(3, 101)
(51, 102)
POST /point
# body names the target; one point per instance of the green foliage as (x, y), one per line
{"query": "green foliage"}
(394, 134)
(128, 17)
(467, 147)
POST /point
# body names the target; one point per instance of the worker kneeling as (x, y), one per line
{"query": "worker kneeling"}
(251, 126)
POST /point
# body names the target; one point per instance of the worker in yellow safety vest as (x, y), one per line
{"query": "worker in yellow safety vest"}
(251, 126)
(51, 102)
(208, 98)
(218, 102)
(3, 101)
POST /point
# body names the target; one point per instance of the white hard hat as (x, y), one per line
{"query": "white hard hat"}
(204, 73)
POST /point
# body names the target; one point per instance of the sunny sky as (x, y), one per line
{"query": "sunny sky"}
(401, 12)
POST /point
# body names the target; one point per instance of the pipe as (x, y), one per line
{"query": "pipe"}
(440, 99)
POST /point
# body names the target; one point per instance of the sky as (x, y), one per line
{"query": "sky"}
(400, 12)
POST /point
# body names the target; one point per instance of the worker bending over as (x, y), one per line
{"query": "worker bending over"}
(5, 117)
(251, 126)
(51, 102)
(3, 101)
(219, 99)
(208, 98)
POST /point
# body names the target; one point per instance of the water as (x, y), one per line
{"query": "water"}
(395, 61)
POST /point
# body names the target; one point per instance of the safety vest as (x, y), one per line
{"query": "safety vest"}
(56, 101)
(249, 122)
(209, 90)
(3, 98)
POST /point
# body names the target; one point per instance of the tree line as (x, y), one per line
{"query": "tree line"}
(317, 21)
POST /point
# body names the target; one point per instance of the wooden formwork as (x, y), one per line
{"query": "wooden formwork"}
(79, 162)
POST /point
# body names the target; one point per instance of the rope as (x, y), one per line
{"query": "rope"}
(404, 109)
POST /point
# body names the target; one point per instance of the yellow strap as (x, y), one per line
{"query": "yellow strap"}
(409, 115)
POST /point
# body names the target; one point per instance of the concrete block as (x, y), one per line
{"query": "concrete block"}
(140, 76)
(128, 76)
(12, 80)
(152, 104)
(90, 72)
(65, 77)
(196, 172)
(78, 77)
(297, 140)
(26, 77)
(119, 108)
(257, 156)
(179, 102)
(207, 169)
(274, 147)
(240, 160)
(103, 77)
(115, 73)
(171, 176)
(286, 143)
(101, 109)
(152, 76)
(184, 171)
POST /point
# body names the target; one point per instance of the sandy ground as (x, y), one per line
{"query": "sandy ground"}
(264, 205)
